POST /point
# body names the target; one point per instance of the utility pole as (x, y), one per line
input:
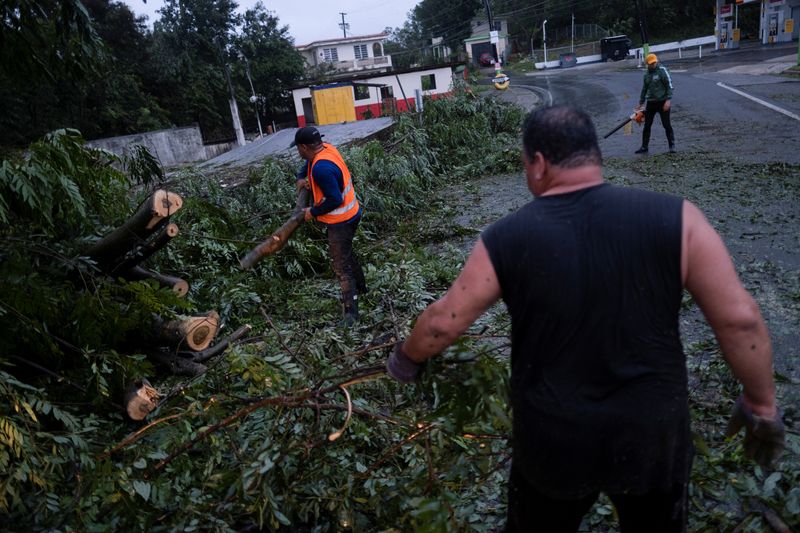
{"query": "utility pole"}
(237, 122)
(572, 45)
(544, 40)
(253, 98)
(490, 20)
(344, 25)
(642, 27)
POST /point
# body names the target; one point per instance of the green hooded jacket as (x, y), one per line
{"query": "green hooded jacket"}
(657, 85)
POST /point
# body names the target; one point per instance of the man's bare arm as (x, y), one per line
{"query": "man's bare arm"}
(709, 275)
(475, 289)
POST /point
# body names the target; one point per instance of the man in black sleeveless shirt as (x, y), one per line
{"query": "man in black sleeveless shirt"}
(593, 276)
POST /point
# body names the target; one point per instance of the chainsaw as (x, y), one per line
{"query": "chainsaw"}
(637, 116)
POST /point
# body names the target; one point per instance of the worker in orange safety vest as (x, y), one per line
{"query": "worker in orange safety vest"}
(334, 205)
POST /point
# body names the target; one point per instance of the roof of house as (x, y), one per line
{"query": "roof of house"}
(365, 75)
(343, 40)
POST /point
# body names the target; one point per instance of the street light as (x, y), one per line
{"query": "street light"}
(544, 41)
(253, 98)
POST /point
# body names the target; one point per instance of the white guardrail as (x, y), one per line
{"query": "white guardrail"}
(698, 43)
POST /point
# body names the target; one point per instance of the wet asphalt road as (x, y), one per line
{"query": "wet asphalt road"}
(706, 117)
(723, 138)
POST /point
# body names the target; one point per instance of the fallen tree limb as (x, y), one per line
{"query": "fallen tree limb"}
(147, 219)
(140, 399)
(138, 435)
(278, 240)
(221, 346)
(285, 401)
(146, 250)
(194, 333)
(178, 286)
(180, 366)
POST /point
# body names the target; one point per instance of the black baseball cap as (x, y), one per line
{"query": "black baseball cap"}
(307, 135)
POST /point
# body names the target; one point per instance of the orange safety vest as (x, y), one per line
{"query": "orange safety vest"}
(349, 206)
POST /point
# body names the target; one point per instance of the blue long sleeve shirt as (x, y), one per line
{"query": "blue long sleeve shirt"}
(328, 177)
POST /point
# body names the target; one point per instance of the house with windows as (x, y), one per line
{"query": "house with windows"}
(348, 54)
(366, 95)
(486, 44)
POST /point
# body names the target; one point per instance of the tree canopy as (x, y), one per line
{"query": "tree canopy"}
(451, 21)
(94, 66)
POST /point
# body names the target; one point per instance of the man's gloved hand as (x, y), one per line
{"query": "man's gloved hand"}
(401, 367)
(763, 438)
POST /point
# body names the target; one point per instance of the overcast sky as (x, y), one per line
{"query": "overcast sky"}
(312, 20)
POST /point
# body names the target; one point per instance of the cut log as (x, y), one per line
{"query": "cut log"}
(140, 399)
(221, 346)
(178, 286)
(146, 250)
(150, 216)
(278, 240)
(193, 333)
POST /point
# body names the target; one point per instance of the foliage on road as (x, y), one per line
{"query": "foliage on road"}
(247, 443)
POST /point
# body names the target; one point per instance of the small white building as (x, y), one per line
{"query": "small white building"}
(348, 54)
(480, 41)
(369, 95)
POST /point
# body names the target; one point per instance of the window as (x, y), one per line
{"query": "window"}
(387, 92)
(331, 55)
(361, 51)
(377, 51)
(361, 92)
(428, 82)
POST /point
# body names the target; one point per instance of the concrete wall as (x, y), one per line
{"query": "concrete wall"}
(171, 147)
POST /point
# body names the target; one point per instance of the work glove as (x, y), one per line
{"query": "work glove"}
(763, 438)
(401, 367)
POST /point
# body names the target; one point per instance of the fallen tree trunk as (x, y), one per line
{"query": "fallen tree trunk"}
(191, 363)
(221, 346)
(194, 333)
(178, 286)
(145, 251)
(147, 219)
(278, 240)
(140, 399)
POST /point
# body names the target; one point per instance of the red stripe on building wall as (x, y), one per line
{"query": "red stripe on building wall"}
(377, 110)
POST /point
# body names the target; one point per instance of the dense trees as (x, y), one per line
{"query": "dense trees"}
(450, 20)
(94, 66)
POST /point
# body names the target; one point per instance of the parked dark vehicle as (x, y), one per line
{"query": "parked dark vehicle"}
(614, 48)
(486, 59)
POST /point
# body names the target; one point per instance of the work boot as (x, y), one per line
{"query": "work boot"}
(672, 149)
(350, 316)
(642, 150)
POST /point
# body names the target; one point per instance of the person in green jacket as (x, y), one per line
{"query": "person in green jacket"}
(657, 92)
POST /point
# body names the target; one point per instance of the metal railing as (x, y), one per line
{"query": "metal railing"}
(554, 54)
(583, 32)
